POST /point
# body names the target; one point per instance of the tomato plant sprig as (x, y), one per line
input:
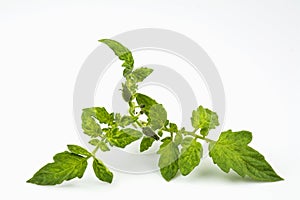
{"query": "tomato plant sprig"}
(180, 149)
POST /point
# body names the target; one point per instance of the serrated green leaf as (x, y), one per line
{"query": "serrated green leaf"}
(231, 151)
(90, 126)
(205, 119)
(78, 150)
(100, 114)
(123, 53)
(141, 73)
(145, 101)
(168, 160)
(101, 171)
(158, 116)
(190, 156)
(66, 166)
(122, 138)
(146, 143)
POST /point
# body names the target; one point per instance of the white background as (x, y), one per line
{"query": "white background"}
(254, 44)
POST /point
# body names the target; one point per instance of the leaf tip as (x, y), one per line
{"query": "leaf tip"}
(278, 178)
(168, 179)
(110, 181)
(32, 181)
(29, 180)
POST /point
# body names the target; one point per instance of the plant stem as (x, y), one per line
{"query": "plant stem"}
(138, 123)
(132, 114)
(206, 139)
(192, 133)
(95, 150)
(200, 137)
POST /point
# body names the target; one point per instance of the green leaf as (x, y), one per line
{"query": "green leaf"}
(173, 128)
(190, 156)
(178, 138)
(118, 117)
(204, 131)
(141, 73)
(90, 126)
(122, 138)
(205, 119)
(123, 53)
(168, 160)
(166, 139)
(129, 89)
(146, 143)
(78, 150)
(66, 166)
(94, 141)
(126, 94)
(149, 132)
(100, 114)
(102, 145)
(145, 101)
(160, 133)
(231, 151)
(101, 171)
(158, 116)
(125, 121)
(186, 141)
(166, 123)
